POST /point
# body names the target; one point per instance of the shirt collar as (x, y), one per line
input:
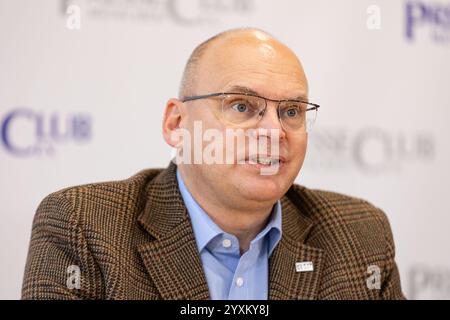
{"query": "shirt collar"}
(205, 229)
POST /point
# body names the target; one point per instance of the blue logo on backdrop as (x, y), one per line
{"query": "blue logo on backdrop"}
(25, 132)
(433, 18)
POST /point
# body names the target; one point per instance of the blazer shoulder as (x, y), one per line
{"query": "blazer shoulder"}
(94, 199)
(113, 189)
(350, 217)
(320, 203)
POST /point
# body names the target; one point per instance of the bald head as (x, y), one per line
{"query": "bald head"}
(234, 49)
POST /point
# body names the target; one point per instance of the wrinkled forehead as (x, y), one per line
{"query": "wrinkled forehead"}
(264, 65)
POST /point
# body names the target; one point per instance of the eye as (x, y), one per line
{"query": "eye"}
(240, 107)
(291, 112)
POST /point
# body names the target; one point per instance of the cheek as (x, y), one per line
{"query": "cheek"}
(297, 147)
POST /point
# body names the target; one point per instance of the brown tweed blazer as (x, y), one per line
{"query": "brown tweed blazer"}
(133, 239)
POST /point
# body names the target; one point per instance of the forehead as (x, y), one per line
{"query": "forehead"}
(266, 67)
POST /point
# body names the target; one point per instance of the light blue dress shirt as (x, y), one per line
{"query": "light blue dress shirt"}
(228, 274)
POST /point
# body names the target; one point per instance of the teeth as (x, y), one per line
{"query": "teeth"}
(265, 160)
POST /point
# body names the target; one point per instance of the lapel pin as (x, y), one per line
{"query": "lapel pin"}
(304, 266)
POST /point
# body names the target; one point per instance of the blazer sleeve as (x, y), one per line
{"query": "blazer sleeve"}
(59, 264)
(391, 287)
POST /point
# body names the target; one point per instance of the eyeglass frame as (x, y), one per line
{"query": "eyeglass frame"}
(217, 94)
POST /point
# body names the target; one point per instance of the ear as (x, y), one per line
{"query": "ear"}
(174, 114)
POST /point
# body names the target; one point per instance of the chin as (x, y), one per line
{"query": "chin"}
(261, 188)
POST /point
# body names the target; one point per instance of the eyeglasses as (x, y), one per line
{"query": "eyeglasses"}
(247, 109)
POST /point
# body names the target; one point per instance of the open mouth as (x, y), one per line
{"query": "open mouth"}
(265, 160)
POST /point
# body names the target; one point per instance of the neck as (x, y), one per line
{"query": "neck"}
(244, 221)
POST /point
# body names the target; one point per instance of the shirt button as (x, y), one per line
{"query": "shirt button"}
(239, 281)
(226, 243)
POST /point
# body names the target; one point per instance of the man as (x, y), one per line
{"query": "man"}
(210, 230)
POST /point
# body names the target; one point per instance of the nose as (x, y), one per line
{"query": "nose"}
(270, 119)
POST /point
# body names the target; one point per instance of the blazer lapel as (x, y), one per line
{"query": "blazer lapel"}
(172, 258)
(285, 282)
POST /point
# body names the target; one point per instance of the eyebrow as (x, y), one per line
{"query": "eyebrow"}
(244, 89)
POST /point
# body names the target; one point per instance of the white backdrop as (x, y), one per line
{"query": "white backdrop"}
(85, 105)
